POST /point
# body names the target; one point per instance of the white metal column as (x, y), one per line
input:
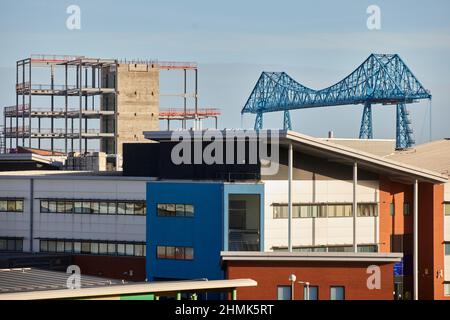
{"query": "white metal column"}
(416, 242)
(355, 204)
(290, 158)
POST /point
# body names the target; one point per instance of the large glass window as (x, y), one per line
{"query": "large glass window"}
(84, 247)
(174, 210)
(311, 292)
(284, 293)
(82, 206)
(367, 210)
(171, 252)
(337, 293)
(11, 205)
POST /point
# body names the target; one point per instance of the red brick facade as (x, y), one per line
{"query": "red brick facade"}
(351, 275)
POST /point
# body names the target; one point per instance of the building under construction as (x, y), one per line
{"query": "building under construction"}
(78, 104)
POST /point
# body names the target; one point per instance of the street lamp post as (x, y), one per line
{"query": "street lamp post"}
(292, 279)
(306, 283)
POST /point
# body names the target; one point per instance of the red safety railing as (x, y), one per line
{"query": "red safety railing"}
(179, 112)
(53, 58)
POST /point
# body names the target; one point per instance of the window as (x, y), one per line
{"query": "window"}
(69, 207)
(44, 206)
(392, 209)
(280, 211)
(129, 208)
(139, 208)
(313, 293)
(340, 249)
(86, 207)
(11, 244)
(60, 206)
(446, 289)
(85, 247)
(43, 245)
(337, 293)
(78, 207)
(367, 210)
(368, 248)
(103, 248)
(103, 207)
(447, 249)
(95, 207)
(11, 205)
(447, 209)
(60, 246)
(135, 207)
(112, 208)
(189, 209)
(77, 247)
(112, 248)
(174, 210)
(94, 248)
(129, 249)
(406, 209)
(178, 253)
(339, 210)
(284, 293)
(3, 205)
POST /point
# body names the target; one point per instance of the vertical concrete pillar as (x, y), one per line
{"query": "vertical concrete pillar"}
(416, 243)
(355, 204)
(290, 159)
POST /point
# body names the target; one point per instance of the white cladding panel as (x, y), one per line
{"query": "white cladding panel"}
(16, 224)
(72, 226)
(319, 231)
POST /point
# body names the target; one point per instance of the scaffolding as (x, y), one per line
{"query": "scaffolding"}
(86, 82)
(76, 89)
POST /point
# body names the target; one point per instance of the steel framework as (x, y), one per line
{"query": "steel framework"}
(380, 79)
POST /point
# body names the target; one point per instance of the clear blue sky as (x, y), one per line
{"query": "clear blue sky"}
(316, 42)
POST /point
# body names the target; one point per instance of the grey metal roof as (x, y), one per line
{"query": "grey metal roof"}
(29, 279)
(325, 149)
(434, 156)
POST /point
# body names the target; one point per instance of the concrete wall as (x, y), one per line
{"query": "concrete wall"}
(137, 102)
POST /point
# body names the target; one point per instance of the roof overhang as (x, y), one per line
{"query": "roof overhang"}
(333, 152)
(310, 256)
(130, 289)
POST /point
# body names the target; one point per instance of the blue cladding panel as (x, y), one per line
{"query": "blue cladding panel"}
(204, 231)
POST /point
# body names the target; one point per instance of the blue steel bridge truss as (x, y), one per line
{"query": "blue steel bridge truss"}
(380, 79)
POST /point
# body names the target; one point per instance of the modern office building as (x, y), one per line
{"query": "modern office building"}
(98, 219)
(165, 221)
(327, 200)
